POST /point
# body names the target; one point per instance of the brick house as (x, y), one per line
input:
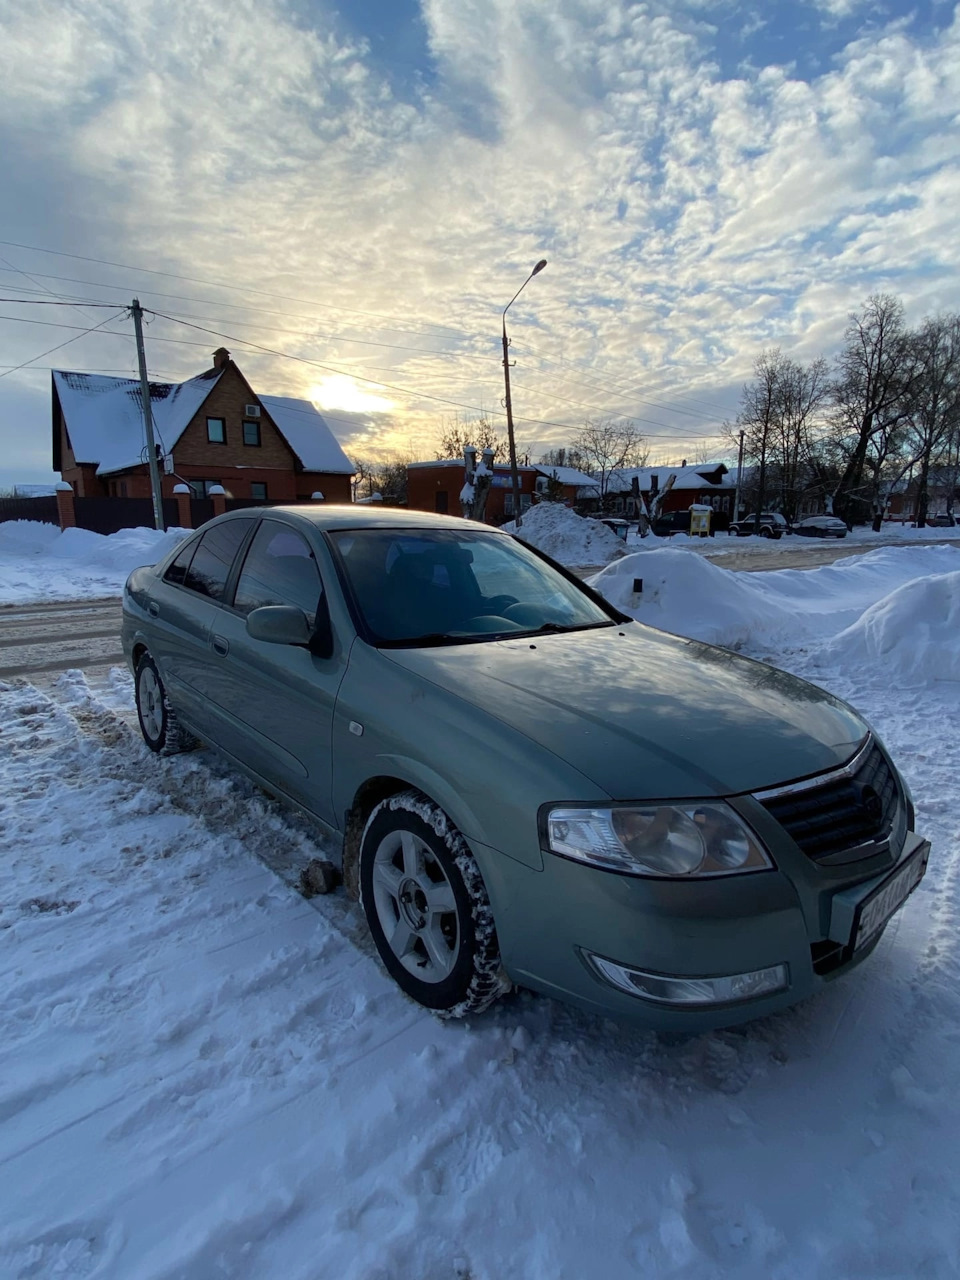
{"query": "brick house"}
(711, 484)
(435, 486)
(212, 429)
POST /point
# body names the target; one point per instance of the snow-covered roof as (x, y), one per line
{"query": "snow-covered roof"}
(104, 416)
(710, 475)
(459, 462)
(569, 476)
(306, 432)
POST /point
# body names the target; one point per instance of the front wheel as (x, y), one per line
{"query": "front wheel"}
(427, 907)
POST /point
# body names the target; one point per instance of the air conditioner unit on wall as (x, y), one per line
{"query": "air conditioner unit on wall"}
(251, 411)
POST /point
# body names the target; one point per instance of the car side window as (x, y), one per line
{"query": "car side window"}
(177, 572)
(210, 567)
(280, 568)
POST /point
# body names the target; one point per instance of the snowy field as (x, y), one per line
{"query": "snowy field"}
(204, 1075)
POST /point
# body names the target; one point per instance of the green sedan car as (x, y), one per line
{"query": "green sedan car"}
(527, 787)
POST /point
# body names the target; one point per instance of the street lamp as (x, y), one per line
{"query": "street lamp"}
(515, 475)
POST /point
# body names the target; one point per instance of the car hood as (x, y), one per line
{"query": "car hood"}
(644, 714)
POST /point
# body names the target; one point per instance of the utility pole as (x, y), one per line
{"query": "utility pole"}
(736, 496)
(137, 312)
(511, 440)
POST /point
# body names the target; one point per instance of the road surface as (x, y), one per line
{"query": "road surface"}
(45, 639)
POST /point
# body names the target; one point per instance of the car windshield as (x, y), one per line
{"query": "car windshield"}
(443, 586)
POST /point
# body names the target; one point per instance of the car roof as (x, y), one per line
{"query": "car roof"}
(351, 516)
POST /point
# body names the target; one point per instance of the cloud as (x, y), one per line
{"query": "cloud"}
(689, 219)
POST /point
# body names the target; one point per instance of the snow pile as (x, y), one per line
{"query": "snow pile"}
(567, 537)
(690, 596)
(38, 562)
(694, 597)
(913, 633)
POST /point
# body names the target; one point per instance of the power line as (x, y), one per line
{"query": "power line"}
(214, 284)
(415, 394)
(76, 337)
(553, 360)
(51, 302)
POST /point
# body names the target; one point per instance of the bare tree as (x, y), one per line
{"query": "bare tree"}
(870, 391)
(606, 446)
(760, 416)
(935, 408)
(458, 432)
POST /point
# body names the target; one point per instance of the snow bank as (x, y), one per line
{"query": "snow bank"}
(691, 596)
(38, 562)
(567, 537)
(913, 633)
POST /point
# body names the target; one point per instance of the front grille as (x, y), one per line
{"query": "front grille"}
(840, 812)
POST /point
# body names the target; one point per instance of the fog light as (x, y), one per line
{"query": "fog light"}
(664, 988)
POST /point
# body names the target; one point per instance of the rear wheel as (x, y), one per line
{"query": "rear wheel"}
(427, 907)
(162, 731)
(766, 531)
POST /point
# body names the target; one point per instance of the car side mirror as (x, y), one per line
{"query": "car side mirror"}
(279, 624)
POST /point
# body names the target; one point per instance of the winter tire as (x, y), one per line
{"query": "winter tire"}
(427, 907)
(162, 731)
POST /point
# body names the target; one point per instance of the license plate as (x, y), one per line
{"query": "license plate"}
(890, 896)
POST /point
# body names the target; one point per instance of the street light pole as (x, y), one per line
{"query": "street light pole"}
(511, 440)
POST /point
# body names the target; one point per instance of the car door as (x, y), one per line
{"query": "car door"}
(184, 605)
(276, 701)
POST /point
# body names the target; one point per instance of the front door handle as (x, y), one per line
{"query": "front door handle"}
(153, 609)
(221, 646)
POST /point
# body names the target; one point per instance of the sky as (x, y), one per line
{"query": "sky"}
(362, 189)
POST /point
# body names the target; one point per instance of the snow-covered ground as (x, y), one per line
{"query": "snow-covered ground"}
(204, 1075)
(39, 563)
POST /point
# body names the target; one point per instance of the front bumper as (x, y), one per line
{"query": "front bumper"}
(550, 922)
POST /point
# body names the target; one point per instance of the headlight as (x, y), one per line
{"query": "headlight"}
(696, 839)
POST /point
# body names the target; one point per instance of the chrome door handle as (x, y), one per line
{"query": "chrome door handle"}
(153, 609)
(221, 646)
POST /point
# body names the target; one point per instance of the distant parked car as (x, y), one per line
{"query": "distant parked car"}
(942, 521)
(772, 525)
(821, 527)
(671, 522)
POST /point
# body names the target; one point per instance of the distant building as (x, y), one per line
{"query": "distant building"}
(711, 484)
(213, 429)
(435, 486)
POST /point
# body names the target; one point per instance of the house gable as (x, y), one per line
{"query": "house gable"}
(228, 400)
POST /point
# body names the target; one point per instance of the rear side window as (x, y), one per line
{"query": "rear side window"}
(280, 568)
(177, 572)
(210, 566)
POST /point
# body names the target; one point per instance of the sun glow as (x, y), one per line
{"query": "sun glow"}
(340, 391)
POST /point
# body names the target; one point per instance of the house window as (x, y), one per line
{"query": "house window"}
(216, 431)
(258, 489)
(251, 433)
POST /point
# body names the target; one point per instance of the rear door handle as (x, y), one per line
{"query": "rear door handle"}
(221, 646)
(153, 609)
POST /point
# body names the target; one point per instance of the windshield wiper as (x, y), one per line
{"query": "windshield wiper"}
(556, 628)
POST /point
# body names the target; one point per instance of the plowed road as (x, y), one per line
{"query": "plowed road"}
(36, 639)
